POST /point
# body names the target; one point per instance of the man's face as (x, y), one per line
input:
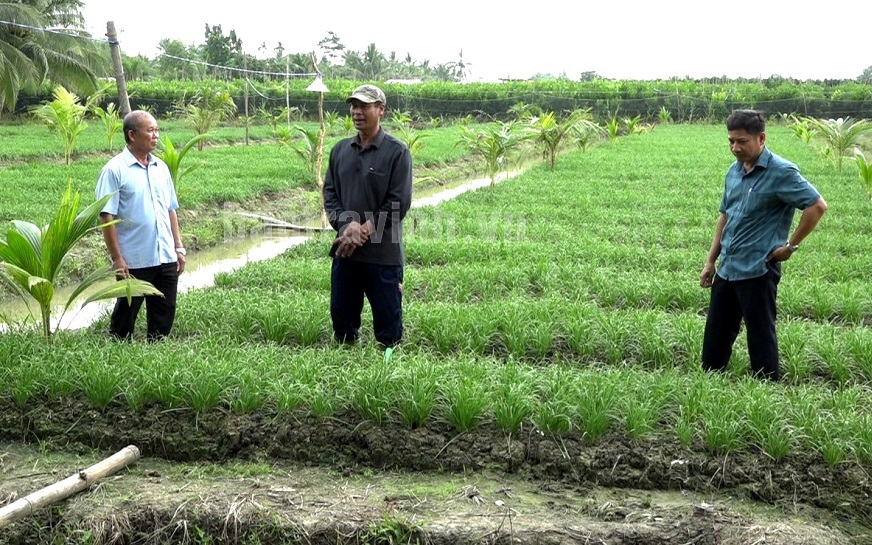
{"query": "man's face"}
(366, 116)
(146, 135)
(746, 147)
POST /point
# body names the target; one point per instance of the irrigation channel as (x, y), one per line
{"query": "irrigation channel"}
(202, 266)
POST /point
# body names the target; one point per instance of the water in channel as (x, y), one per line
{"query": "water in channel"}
(202, 266)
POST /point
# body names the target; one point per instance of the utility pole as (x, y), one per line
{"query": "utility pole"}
(288, 89)
(245, 77)
(115, 50)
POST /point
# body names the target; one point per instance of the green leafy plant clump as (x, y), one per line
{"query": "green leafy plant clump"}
(173, 158)
(864, 170)
(840, 135)
(31, 259)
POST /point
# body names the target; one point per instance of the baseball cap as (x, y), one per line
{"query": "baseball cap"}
(368, 93)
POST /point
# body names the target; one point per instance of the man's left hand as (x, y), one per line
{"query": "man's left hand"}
(180, 263)
(782, 253)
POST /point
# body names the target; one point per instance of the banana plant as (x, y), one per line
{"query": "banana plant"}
(31, 260)
(865, 171)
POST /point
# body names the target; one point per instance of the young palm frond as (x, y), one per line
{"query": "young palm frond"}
(308, 150)
(205, 111)
(551, 133)
(840, 135)
(173, 157)
(31, 259)
(865, 171)
(64, 116)
(111, 122)
(493, 144)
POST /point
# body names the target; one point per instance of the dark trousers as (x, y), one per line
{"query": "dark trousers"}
(383, 287)
(754, 301)
(160, 311)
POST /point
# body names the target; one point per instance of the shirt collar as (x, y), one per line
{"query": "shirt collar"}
(380, 137)
(130, 159)
(762, 161)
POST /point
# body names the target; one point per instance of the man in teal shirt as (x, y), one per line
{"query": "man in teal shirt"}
(762, 191)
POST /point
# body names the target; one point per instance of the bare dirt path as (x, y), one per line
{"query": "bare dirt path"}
(155, 501)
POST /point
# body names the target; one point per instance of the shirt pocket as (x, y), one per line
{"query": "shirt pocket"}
(377, 180)
(757, 200)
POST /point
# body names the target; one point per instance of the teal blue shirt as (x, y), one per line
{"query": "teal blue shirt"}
(760, 206)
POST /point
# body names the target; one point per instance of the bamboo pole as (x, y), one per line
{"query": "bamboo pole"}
(322, 131)
(275, 222)
(73, 484)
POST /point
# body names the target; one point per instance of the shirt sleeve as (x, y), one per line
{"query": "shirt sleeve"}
(171, 187)
(722, 208)
(332, 205)
(108, 183)
(795, 190)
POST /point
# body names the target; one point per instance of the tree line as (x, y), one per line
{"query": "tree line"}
(43, 43)
(221, 56)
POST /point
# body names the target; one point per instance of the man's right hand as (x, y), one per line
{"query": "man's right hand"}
(707, 278)
(119, 265)
(353, 236)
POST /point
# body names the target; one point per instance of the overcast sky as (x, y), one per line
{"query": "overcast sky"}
(625, 39)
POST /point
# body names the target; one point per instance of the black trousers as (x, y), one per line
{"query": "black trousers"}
(160, 311)
(382, 285)
(754, 301)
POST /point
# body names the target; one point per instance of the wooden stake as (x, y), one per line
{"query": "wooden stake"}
(67, 487)
(120, 80)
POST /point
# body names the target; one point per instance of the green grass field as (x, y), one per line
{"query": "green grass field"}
(588, 273)
(560, 304)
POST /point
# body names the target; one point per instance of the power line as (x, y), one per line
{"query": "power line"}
(59, 32)
(191, 61)
(241, 70)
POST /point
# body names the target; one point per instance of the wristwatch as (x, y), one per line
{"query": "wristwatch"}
(180, 250)
(791, 247)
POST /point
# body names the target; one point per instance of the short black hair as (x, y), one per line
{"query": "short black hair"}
(753, 121)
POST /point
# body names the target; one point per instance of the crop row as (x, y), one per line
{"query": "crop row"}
(718, 414)
(541, 330)
(562, 301)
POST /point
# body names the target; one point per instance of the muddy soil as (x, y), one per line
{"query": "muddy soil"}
(269, 501)
(293, 478)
